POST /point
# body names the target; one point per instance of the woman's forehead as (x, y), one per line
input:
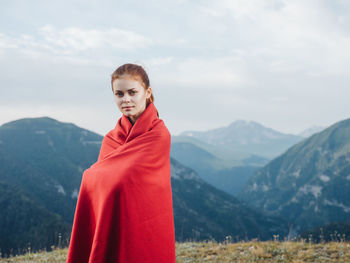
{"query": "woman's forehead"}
(126, 83)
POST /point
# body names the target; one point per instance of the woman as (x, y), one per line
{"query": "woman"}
(124, 211)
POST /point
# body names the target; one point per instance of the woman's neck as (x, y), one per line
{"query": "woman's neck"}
(132, 123)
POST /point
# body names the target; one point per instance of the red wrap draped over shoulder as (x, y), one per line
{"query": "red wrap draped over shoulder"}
(124, 211)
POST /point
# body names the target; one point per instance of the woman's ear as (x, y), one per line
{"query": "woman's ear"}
(149, 92)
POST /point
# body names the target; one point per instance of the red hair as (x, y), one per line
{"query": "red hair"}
(136, 72)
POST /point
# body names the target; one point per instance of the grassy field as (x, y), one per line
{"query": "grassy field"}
(270, 251)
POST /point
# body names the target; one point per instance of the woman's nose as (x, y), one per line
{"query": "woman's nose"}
(126, 98)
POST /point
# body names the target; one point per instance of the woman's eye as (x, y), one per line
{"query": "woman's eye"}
(132, 92)
(119, 94)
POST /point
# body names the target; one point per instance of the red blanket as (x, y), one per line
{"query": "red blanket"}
(124, 211)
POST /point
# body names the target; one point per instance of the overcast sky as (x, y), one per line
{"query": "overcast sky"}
(284, 64)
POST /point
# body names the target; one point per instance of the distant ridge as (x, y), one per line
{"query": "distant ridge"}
(308, 184)
(311, 131)
(247, 136)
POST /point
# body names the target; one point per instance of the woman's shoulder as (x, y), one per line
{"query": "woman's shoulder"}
(161, 129)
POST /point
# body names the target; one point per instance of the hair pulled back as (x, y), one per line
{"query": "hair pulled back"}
(136, 72)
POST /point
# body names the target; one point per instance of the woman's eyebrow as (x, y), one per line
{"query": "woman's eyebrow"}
(127, 90)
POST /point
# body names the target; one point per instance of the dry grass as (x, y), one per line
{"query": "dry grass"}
(287, 251)
(270, 251)
(55, 256)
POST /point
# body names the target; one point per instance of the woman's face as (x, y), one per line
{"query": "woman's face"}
(130, 96)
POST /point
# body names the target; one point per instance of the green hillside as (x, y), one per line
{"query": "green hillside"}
(24, 222)
(308, 184)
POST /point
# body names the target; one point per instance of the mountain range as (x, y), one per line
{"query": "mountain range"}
(227, 157)
(247, 137)
(309, 183)
(224, 174)
(41, 164)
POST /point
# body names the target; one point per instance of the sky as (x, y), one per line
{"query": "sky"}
(284, 64)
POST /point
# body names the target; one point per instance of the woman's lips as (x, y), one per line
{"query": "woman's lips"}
(127, 108)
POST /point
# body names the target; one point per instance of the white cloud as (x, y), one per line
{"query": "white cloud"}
(74, 38)
(7, 42)
(73, 44)
(158, 61)
(293, 36)
(202, 73)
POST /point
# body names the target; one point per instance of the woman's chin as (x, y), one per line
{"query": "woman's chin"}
(128, 113)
